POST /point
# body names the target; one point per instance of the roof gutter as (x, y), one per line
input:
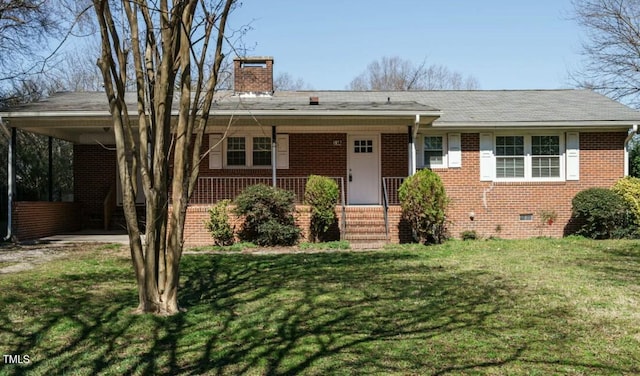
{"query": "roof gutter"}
(538, 124)
(632, 132)
(293, 112)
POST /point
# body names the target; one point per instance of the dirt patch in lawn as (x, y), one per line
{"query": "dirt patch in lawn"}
(17, 258)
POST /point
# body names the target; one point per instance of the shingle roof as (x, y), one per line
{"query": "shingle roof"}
(457, 107)
(500, 106)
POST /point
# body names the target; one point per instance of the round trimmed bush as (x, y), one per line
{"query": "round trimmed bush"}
(601, 213)
(268, 216)
(424, 204)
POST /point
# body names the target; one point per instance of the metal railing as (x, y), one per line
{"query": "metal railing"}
(343, 206)
(391, 186)
(385, 204)
(210, 190)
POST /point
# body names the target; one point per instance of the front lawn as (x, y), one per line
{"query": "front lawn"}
(534, 307)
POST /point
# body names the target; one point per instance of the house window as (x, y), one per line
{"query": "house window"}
(236, 151)
(248, 151)
(510, 158)
(262, 151)
(433, 151)
(545, 156)
(529, 157)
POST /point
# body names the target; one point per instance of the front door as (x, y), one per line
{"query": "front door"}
(363, 173)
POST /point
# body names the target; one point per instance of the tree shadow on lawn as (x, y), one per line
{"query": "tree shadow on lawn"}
(332, 313)
(618, 264)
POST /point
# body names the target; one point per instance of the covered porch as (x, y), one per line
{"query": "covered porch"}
(325, 139)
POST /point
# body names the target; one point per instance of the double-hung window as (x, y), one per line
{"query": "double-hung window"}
(545, 156)
(529, 157)
(510, 157)
(236, 151)
(248, 151)
(438, 151)
(262, 151)
(433, 151)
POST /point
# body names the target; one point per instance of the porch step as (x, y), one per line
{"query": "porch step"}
(365, 227)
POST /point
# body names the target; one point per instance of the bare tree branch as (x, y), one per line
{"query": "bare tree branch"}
(394, 73)
(612, 48)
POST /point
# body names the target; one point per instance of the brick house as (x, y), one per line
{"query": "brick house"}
(505, 157)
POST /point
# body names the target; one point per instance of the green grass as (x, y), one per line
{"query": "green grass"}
(338, 245)
(536, 307)
(235, 247)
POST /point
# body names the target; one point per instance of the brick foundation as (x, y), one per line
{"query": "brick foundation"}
(497, 206)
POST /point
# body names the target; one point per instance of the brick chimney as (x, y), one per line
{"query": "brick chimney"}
(253, 75)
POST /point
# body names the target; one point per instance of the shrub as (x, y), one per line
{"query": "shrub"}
(601, 213)
(469, 235)
(424, 203)
(321, 194)
(629, 189)
(218, 224)
(268, 216)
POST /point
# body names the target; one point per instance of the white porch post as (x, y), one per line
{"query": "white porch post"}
(413, 133)
(412, 151)
(632, 132)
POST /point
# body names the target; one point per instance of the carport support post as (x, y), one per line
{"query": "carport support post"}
(11, 181)
(50, 176)
(274, 150)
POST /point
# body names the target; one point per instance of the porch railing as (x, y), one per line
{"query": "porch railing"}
(210, 190)
(390, 187)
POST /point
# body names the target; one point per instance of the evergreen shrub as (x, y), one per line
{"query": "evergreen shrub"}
(601, 213)
(268, 216)
(424, 203)
(321, 194)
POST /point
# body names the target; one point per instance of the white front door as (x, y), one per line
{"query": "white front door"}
(363, 173)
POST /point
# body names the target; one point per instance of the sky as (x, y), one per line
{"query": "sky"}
(504, 44)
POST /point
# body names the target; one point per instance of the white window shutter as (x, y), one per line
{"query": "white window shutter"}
(455, 150)
(487, 160)
(282, 148)
(215, 154)
(573, 156)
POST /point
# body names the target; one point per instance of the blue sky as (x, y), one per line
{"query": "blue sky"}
(505, 44)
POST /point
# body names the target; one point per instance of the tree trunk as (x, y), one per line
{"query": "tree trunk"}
(168, 55)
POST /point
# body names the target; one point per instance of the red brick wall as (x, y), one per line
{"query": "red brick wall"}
(395, 155)
(94, 173)
(497, 206)
(196, 234)
(36, 219)
(308, 154)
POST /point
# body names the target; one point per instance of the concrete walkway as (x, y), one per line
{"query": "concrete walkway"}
(85, 236)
